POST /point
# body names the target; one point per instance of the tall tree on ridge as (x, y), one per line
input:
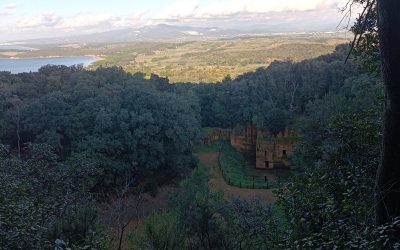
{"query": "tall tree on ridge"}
(388, 175)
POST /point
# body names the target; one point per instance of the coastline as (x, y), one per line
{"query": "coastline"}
(20, 65)
(96, 57)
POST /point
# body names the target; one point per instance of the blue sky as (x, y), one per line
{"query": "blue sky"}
(26, 19)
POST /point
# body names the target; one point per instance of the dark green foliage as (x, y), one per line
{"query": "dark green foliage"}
(35, 191)
(331, 204)
(107, 124)
(152, 188)
(196, 209)
(274, 96)
(274, 120)
(157, 232)
(119, 122)
(253, 225)
(366, 43)
(74, 228)
(199, 218)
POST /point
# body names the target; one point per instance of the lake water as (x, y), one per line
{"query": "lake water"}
(33, 64)
(8, 47)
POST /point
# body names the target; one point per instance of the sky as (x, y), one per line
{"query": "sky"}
(28, 19)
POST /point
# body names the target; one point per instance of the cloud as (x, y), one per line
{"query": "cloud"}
(288, 15)
(232, 13)
(194, 9)
(44, 20)
(238, 14)
(11, 6)
(89, 22)
(180, 9)
(79, 23)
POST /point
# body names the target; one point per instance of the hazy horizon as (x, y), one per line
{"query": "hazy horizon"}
(25, 19)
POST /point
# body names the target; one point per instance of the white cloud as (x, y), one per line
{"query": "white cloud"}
(86, 21)
(237, 13)
(193, 9)
(192, 33)
(82, 22)
(11, 6)
(221, 13)
(180, 9)
(43, 20)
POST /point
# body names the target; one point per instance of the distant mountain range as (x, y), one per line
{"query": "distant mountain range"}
(160, 32)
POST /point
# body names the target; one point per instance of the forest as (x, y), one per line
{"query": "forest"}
(77, 144)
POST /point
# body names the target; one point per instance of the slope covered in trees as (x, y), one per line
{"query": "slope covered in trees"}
(118, 121)
(70, 133)
(283, 89)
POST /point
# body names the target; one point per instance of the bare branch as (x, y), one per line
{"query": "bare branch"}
(367, 10)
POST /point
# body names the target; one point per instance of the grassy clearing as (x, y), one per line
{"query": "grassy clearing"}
(237, 172)
(213, 148)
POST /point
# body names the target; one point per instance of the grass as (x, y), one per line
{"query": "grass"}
(236, 170)
(237, 173)
(206, 131)
(213, 148)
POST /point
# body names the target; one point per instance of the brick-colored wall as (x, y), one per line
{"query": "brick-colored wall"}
(245, 139)
(270, 152)
(267, 148)
(218, 134)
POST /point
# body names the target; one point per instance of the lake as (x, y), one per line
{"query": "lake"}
(9, 47)
(33, 64)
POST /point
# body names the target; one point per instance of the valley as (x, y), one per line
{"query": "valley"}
(209, 60)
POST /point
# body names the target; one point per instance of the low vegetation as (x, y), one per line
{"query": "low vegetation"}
(199, 218)
(238, 172)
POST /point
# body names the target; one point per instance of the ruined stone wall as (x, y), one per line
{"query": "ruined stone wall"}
(218, 134)
(245, 139)
(271, 150)
(274, 152)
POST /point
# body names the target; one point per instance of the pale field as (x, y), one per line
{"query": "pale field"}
(208, 61)
(212, 61)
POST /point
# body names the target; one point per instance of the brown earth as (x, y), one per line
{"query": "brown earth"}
(218, 183)
(151, 205)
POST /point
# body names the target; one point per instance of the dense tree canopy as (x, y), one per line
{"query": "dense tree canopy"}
(284, 86)
(119, 121)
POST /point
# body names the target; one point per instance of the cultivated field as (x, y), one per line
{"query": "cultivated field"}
(207, 61)
(212, 61)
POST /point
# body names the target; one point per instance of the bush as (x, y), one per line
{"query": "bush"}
(74, 228)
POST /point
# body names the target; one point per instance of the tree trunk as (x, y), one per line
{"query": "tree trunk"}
(18, 121)
(121, 236)
(387, 191)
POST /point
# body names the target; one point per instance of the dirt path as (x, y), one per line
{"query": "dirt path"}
(230, 192)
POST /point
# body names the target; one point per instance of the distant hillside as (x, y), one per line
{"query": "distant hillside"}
(164, 32)
(161, 32)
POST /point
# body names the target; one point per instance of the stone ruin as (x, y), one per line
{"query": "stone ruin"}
(271, 150)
